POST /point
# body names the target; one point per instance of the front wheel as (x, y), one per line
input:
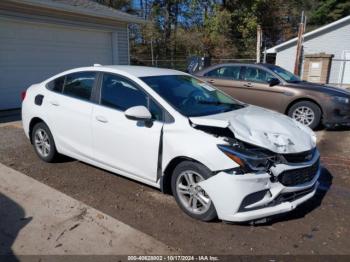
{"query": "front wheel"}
(307, 113)
(191, 198)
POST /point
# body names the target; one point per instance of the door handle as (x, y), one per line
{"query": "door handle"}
(248, 85)
(101, 119)
(54, 103)
(288, 93)
(211, 81)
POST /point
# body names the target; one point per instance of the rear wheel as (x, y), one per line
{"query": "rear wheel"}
(43, 143)
(307, 113)
(191, 198)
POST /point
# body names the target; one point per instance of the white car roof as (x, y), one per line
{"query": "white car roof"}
(141, 71)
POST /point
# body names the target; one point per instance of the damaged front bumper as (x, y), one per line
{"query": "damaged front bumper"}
(336, 114)
(240, 198)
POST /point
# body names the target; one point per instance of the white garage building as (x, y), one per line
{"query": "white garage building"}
(39, 38)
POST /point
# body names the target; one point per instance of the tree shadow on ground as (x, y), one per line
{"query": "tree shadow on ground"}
(12, 220)
(339, 129)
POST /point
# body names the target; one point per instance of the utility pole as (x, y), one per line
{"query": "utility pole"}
(258, 43)
(299, 45)
(152, 54)
(264, 59)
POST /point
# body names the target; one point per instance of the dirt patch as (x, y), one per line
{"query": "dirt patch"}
(320, 226)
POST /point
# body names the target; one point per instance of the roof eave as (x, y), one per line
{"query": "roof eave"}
(126, 18)
(276, 48)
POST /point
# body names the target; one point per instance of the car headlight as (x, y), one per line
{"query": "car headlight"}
(248, 160)
(341, 99)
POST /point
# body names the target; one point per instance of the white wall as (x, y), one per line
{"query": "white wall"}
(334, 41)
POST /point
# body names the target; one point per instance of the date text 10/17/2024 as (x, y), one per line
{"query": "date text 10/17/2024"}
(173, 258)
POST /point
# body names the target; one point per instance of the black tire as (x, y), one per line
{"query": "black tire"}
(311, 106)
(210, 213)
(52, 155)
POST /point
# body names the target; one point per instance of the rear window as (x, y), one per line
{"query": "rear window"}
(79, 85)
(57, 84)
(228, 72)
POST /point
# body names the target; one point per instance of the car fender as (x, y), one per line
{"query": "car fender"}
(30, 110)
(194, 144)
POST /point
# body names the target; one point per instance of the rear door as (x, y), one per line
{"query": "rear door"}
(127, 145)
(227, 79)
(257, 90)
(69, 110)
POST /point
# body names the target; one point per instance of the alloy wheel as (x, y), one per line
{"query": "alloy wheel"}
(42, 142)
(304, 115)
(191, 195)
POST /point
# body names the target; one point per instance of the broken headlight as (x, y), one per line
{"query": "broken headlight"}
(249, 160)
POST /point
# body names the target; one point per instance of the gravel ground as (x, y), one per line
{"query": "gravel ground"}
(320, 226)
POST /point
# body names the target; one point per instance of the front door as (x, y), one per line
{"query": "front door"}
(127, 145)
(257, 90)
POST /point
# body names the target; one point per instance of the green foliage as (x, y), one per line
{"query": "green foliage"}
(246, 16)
(215, 32)
(176, 29)
(117, 4)
(330, 10)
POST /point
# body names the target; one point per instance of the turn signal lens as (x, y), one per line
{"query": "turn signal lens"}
(236, 159)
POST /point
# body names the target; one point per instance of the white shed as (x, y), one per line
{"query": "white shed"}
(333, 39)
(39, 38)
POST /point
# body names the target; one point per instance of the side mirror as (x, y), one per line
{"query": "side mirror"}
(274, 82)
(138, 113)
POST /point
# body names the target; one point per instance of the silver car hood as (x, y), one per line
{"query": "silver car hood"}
(264, 128)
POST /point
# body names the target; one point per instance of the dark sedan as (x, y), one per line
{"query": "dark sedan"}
(273, 87)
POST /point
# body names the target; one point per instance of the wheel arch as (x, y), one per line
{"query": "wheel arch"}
(32, 123)
(165, 182)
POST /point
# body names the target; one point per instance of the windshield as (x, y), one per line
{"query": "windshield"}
(286, 75)
(190, 96)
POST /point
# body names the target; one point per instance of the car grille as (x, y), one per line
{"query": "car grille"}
(299, 176)
(284, 197)
(292, 196)
(299, 157)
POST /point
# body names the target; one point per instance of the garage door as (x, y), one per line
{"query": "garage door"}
(32, 52)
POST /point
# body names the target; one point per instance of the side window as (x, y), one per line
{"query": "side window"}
(121, 94)
(227, 72)
(213, 73)
(57, 84)
(254, 74)
(79, 85)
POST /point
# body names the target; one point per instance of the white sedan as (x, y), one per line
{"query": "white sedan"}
(217, 156)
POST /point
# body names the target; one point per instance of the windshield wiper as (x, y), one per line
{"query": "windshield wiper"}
(215, 103)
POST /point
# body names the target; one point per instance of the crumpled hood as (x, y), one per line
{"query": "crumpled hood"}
(264, 128)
